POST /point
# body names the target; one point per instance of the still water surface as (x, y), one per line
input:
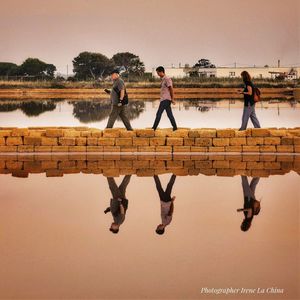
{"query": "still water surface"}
(55, 241)
(194, 113)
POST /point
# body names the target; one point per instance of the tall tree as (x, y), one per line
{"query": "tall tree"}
(8, 69)
(36, 67)
(131, 63)
(88, 65)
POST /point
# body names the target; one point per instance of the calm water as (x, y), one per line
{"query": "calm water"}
(194, 113)
(55, 241)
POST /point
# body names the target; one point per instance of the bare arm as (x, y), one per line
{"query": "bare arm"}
(172, 94)
(122, 94)
(249, 90)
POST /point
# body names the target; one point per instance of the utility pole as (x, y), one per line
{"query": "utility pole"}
(67, 71)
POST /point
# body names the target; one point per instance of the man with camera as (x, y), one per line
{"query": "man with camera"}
(119, 101)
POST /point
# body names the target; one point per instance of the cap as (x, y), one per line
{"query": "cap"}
(117, 71)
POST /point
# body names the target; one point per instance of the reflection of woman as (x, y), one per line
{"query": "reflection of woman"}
(118, 203)
(249, 104)
(251, 205)
(166, 203)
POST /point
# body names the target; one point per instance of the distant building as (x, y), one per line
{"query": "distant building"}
(288, 73)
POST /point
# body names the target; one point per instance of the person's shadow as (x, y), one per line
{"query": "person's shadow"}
(118, 203)
(251, 204)
(166, 203)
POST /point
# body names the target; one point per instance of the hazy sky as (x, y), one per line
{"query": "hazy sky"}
(161, 32)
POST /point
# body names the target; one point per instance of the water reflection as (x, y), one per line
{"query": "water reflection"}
(214, 112)
(89, 111)
(31, 108)
(251, 204)
(54, 234)
(118, 202)
(166, 203)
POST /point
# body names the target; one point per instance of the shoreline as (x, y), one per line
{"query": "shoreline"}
(145, 93)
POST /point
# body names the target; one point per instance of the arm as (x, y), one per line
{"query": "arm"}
(122, 94)
(171, 209)
(172, 93)
(249, 90)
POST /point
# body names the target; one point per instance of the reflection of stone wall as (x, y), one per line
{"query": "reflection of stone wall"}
(84, 139)
(258, 165)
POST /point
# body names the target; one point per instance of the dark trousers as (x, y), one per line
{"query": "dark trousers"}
(118, 111)
(164, 195)
(118, 191)
(164, 105)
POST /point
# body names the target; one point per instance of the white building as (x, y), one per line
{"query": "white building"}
(288, 73)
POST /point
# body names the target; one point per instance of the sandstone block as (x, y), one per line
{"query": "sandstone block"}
(54, 133)
(267, 148)
(29, 140)
(237, 141)
(145, 132)
(278, 132)
(157, 141)
(220, 142)
(253, 141)
(174, 141)
(223, 133)
(260, 132)
(272, 140)
(25, 148)
(139, 141)
(203, 142)
(14, 141)
(67, 141)
(4, 133)
(106, 141)
(207, 133)
(47, 141)
(250, 148)
(20, 132)
(285, 148)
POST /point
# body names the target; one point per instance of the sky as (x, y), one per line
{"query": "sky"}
(164, 33)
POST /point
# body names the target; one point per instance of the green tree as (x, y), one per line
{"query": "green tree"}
(36, 67)
(204, 63)
(88, 65)
(8, 69)
(131, 62)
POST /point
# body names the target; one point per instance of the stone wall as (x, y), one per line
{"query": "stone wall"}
(258, 165)
(84, 139)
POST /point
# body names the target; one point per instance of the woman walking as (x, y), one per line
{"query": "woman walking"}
(249, 103)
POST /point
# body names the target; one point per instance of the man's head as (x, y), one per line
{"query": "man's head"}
(160, 71)
(246, 224)
(114, 228)
(115, 74)
(160, 229)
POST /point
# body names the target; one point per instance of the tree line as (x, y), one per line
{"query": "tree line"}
(86, 66)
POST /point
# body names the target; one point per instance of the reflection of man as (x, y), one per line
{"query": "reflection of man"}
(118, 203)
(117, 95)
(251, 205)
(166, 203)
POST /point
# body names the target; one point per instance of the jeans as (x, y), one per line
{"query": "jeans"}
(164, 195)
(118, 111)
(164, 105)
(249, 112)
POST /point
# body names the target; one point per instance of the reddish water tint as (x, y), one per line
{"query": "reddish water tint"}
(55, 241)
